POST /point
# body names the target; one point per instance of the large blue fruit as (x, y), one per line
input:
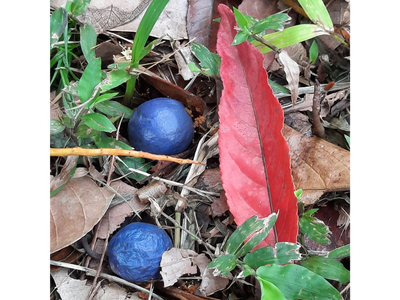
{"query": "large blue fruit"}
(135, 251)
(160, 126)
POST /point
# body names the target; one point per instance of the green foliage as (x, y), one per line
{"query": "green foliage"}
(314, 228)
(279, 279)
(297, 282)
(143, 32)
(327, 268)
(209, 62)
(340, 252)
(89, 102)
(313, 52)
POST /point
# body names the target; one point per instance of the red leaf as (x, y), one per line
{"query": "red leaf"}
(254, 156)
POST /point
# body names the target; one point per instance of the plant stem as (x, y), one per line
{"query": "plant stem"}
(265, 42)
(177, 236)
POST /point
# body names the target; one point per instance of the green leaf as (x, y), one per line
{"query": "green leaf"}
(349, 140)
(327, 268)
(78, 7)
(133, 163)
(84, 131)
(290, 36)
(282, 253)
(115, 78)
(314, 228)
(274, 22)
(114, 108)
(91, 77)
(146, 25)
(149, 47)
(224, 264)
(238, 237)
(98, 122)
(101, 98)
(88, 42)
(340, 252)
(192, 66)
(298, 194)
(209, 62)
(56, 127)
(297, 282)
(109, 142)
(317, 12)
(277, 88)
(269, 291)
(258, 236)
(239, 38)
(58, 22)
(313, 51)
(240, 18)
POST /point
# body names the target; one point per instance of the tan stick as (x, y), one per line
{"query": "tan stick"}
(120, 152)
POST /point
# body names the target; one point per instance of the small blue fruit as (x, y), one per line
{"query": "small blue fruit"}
(135, 251)
(160, 126)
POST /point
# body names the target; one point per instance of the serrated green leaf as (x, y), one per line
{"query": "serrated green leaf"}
(314, 228)
(274, 22)
(98, 122)
(133, 163)
(282, 253)
(240, 18)
(258, 236)
(56, 127)
(114, 109)
(290, 36)
(224, 264)
(91, 77)
(238, 237)
(313, 51)
(297, 282)
(88, 42)
(317, 12)
(269, 291)
(327, 268)
(340, 252)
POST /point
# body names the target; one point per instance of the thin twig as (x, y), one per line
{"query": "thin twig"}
(319, 130)
(121, 152)
(92, 272)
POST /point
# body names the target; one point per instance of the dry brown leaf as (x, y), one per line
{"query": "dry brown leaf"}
(75, 210)
(175, 263)
(292, 72)
(317, 165)
(63, 177)
(118, 213)
(219, 205)
(70, 288)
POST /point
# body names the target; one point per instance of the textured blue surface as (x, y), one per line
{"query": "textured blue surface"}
(135, 251)
(160, 126)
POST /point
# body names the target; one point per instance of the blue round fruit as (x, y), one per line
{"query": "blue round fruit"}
(135, 251)
(160, 126)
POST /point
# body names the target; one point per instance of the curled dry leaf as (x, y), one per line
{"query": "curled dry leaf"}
(317, 165)
(75, 210)
(292, 72)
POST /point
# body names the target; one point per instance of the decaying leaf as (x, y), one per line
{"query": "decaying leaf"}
(70, 288)
(292, 72)
(317, 165)
(175, 263)
(75, 210)
(117, 213)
